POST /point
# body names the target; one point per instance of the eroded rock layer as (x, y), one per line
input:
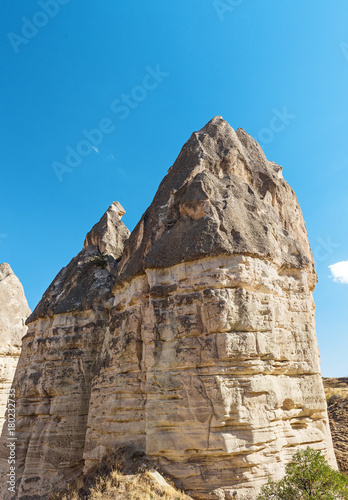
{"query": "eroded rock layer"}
(59, 357)
(198, 347)
(211, 363)
(14, 311)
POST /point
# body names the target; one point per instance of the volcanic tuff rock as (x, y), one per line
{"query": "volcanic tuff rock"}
(14, 310)
(207, 359)
(59, 359)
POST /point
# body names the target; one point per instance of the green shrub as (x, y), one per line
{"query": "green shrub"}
(307, 477)
(100, 260)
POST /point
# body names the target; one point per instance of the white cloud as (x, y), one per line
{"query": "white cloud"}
(339, 272)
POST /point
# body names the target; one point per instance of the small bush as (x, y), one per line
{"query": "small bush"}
(308, 477)
(334, 398)
(100, 260)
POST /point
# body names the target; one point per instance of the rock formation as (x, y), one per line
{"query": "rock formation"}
(14, 311)
(59, 359)
(204, 353)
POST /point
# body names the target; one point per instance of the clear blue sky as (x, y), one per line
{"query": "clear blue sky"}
(246, 61)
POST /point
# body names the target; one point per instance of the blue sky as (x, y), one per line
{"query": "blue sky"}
(243, 59)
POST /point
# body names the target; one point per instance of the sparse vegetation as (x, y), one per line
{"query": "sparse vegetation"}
(308, 477)
(334, 398)
(124, 475)
(335, 389)
(100, 260)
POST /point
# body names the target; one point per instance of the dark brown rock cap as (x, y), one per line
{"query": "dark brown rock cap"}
(87, 281)
(221, 197)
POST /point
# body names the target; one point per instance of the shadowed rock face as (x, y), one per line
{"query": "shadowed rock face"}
(206, 357)
(83, 282)
(14, 311)
(59, 357)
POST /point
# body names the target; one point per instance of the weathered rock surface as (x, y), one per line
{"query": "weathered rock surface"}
(58, 361)
(206, 358)
(14, 311)
(107, 234)
(211, 363)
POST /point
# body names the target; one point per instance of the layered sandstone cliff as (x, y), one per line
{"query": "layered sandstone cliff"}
(211, 363)
(198, 347)
(14, 311)
(58, 362)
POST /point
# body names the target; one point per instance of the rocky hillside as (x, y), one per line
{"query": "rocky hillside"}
(14, 311)
(337, 395)
(191, 340)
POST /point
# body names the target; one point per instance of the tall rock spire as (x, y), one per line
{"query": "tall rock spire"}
(58, 362)
(14, 311)
(211, 364)
(195, 344)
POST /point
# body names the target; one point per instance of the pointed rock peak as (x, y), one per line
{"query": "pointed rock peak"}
(14, 310)
(88, 279)
(5, 270)
(221, 196)
(216, 123)
(116, 207)
(109, 234)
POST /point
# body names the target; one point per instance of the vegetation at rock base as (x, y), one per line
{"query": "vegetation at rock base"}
(307, 477)
(124, 475)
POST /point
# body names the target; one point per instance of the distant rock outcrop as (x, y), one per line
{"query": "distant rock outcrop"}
(337, 395)
(198, 347)
(14, 311)
(338, 415)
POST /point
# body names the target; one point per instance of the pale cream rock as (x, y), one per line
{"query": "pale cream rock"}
(195, 344)
(218, 379)
(59, 359)
(14, 311)
(211, 363)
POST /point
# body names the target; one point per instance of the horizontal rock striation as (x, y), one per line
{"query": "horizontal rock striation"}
(59, 357)
(211, 363)
(14, 311)
(196, 346)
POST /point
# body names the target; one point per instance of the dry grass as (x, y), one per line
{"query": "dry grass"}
(336, 387)
(124, 475)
